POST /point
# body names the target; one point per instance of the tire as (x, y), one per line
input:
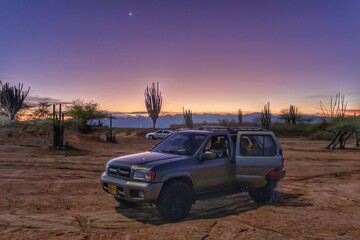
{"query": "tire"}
(125, 203)
(175, 201)
(151, 137)
(260, 195)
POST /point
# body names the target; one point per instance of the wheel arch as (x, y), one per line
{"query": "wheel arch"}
(178, 178)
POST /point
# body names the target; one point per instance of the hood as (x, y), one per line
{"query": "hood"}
(143, 158)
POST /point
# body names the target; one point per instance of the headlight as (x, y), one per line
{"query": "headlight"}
(145, 175)
(106, 167)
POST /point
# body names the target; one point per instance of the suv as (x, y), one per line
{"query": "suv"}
(196, 164)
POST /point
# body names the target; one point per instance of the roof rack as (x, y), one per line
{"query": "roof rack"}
(215, 128)
(222, 128)
(249, 129)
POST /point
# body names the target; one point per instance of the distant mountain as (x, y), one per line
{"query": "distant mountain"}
(126, 121)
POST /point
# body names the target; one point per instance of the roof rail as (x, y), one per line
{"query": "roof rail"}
(215, 128)
(222, 128)
(249, 129)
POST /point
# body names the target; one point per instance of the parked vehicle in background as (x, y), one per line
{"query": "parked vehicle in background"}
(193, 165)
(159, 134)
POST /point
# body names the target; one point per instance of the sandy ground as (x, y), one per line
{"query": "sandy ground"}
(53, 194)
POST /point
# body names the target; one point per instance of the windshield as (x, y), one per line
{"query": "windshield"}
(181, 143)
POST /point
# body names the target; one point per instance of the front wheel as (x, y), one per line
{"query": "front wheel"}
(260, 195)
(175, 201)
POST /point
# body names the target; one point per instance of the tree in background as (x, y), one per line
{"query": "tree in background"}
(85, 113)
(290, 115)
(266, 116)
(12, 99)
(153, 102)
(42, 110)
(187, 113)
(240, 116)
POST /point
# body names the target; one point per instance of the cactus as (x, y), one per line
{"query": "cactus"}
(12, 98)
(58, 128)
(187, 113)
(266, 116)
(153, 102)
(240, 116)
(293, 114)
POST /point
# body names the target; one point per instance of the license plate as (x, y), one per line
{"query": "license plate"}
(112, 189)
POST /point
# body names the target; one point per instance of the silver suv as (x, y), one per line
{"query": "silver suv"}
(196, 164)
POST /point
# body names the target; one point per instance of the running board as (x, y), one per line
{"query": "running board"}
(220, 193)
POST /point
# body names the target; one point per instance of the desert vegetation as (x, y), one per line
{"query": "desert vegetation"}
(335, 121)
(240, 116)
(336, 126)
(12, 99)
(188, 121)
(85, 114)
(53, 209)
(266, 117)
(290, 115)
(58, 127)
(153, 102)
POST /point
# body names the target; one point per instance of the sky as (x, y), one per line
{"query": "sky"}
(208, 56)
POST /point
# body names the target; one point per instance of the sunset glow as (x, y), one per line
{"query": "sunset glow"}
(208, 56)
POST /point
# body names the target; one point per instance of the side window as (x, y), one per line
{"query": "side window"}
(269, 146)
(219, 145)
(257, 145)
(246, 146)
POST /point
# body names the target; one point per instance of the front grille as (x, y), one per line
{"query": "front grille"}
(123, 172)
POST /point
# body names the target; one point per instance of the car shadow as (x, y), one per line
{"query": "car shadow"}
(290, 200)
(211, 208)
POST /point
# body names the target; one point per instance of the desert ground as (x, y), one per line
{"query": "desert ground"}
(56, 194)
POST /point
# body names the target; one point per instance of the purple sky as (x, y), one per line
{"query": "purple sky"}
(209, 56)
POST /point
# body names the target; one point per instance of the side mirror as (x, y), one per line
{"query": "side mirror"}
(207, 156)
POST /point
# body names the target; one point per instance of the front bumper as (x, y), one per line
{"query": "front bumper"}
(140, 192)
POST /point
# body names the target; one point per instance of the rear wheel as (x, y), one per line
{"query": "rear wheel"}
(125, 203)
(260, 195)
(151, 137)
(175, 201)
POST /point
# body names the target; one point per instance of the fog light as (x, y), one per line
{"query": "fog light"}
(134, 193)
(141, 194)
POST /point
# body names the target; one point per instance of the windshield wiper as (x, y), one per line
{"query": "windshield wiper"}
(159, 151)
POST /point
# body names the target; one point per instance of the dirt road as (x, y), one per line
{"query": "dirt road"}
(52, 194)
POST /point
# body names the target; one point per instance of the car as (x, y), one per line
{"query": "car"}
(192, 165)
(160, 134)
